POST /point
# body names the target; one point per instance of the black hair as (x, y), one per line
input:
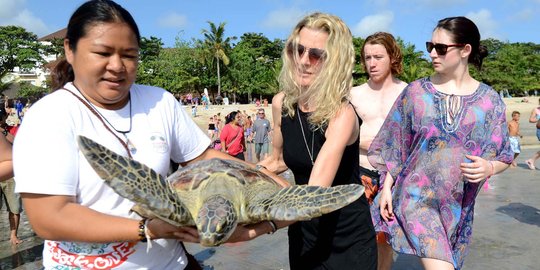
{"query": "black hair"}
(465, 31)
(230, 117)
(89, 14)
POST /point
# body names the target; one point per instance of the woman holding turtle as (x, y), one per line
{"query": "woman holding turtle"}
(85, 223)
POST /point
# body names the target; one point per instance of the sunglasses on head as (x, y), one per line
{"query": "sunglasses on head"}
(314, 54)
(441, 48)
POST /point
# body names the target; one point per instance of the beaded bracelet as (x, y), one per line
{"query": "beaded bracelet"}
(273, 225)
(142, 230)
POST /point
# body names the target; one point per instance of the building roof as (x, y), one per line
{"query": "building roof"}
(58, 34)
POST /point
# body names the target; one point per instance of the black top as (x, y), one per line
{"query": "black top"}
(343, 239)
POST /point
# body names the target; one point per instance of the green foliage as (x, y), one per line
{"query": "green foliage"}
(55, 48)
(19, 48)
(514, 67)
(150, 48)
(217, 46)
(360, 75)
(28, 90)
(252, 69)
(414, 66)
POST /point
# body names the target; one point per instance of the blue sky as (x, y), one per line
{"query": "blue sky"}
(412, 20)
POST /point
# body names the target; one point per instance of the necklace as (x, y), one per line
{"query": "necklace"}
(130, 146)
(310, 153)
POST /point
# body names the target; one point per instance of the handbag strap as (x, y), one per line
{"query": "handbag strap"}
(237, 134)
(124, 144)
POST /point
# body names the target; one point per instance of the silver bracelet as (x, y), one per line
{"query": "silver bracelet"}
(273, 225)
(258, 167)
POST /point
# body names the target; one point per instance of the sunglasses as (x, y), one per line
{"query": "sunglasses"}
(440, 48)
(314, 54)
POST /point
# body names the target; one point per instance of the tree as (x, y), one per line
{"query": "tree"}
(29, 91)
(414, 66)
(251, 70)
(150, 48)
(218, 45)
(19, 48)
(512, 66)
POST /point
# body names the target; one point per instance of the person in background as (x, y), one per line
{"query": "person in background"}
(6, 163)
(316, 135)
(535, 118)
(7, 184)
(515, 135)
(445, 135)
(261, 135)
(211, 128)
(232, 136)
(382, 60)
(86, 224)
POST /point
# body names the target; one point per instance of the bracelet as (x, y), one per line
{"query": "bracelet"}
(492, 169)
(258, 167)
(273, 225)
(142, 230)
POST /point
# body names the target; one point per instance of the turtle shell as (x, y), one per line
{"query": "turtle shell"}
(190, 178)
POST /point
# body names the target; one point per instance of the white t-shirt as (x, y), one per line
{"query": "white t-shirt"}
(47, 160)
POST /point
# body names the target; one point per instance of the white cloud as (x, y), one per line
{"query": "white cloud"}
(173, 20)
(485, 23)
(13, 12)
(283, 18)
(8, 8)
(373, 23)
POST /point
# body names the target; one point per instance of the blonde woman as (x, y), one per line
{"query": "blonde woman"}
(316, 133)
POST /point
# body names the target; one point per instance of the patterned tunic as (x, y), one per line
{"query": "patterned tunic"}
(421, 144)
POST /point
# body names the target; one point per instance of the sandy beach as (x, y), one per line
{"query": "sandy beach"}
(512, 104)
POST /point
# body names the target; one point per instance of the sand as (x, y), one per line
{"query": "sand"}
(528, 130)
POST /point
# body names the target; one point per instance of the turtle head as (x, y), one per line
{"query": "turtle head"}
(216, 220)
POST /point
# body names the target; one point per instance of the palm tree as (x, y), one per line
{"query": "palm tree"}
(215, 41)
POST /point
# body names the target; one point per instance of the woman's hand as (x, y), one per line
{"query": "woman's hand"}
(477, 170)
(244, 233)
(387, 212)
(157, 228)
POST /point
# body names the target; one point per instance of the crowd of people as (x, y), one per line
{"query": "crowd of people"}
(421, 149)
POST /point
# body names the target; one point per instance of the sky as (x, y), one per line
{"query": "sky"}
(411, 20)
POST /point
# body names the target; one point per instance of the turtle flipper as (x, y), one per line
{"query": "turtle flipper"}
(303, 202)
(136, 182)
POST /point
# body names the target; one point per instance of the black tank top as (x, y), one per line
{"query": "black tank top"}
(345, 232)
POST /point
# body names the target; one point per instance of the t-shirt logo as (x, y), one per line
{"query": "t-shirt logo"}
(159, 143)
(108, 256)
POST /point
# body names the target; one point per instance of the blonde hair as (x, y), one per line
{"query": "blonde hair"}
(330, 89)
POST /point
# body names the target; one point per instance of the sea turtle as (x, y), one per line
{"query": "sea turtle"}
(213, 195)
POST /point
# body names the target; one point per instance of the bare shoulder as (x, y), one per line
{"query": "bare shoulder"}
(359, 94)
(277, 100)
(402, 84)
(359, 90)
(277, 104)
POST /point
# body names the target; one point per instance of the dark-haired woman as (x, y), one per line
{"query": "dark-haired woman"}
(85, 223)
(445, 135)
